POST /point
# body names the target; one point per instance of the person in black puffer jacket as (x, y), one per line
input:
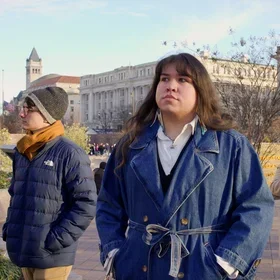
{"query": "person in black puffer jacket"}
(98, 175)
(53, 193)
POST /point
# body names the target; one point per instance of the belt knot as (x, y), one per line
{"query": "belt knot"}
(163, 238)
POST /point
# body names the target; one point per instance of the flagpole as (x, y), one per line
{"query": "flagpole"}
(2, 98)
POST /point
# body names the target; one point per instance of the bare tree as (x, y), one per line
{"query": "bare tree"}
(252, 96)
(246, 78)
(105, 119)
(11, 120)
(122, 115)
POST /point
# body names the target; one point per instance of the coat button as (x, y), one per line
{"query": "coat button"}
(257, 263)
(181, 275)
(184, 221)
(144, 268)
(145, 218)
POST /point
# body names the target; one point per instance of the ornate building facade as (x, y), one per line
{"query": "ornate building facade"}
(35, 80)
(105, 97)
(33, 67)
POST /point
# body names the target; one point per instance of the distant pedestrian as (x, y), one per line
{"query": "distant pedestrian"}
(98, 175)
(91, 151)
(52, 191)
(101, 148)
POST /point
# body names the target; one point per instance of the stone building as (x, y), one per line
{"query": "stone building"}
(33, 67)
(109, 98)
(35, 80)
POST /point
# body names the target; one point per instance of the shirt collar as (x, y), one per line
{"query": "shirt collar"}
(161, 135)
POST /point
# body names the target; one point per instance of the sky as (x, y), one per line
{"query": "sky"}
(81, 37)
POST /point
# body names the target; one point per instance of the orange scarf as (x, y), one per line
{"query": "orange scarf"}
(32, 142)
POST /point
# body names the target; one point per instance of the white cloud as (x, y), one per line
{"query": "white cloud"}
(46, 6)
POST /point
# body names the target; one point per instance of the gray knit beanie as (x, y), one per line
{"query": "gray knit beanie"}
(52, 102)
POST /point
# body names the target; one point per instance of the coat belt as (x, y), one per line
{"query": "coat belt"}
(154, 234)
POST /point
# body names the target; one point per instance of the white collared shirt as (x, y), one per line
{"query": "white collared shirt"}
(169, 150)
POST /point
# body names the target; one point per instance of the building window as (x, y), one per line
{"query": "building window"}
(72, 109)
(268, 74)
(71, 101)
(111, 105)
(111, 78)
(225, 69)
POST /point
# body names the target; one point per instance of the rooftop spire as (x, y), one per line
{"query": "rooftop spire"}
(34, 55)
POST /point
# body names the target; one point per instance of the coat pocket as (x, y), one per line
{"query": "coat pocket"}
(211, 265)
(119, 255)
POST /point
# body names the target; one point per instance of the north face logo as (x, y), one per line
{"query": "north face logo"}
(48, 162)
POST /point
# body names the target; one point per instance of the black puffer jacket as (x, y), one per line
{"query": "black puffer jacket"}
(53, 199)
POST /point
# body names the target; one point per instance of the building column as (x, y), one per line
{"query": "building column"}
(90, 107)
(82, 108)
(93, 106)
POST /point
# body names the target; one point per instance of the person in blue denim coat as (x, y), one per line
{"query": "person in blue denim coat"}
(183, 194)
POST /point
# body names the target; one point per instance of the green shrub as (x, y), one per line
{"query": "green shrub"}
(78, 134)
(8, 271)
(5, 161)
(5, 179)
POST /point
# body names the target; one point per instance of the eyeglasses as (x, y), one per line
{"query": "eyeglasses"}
(26, 110)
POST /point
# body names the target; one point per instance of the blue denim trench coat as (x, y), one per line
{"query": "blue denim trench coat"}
(218, 202)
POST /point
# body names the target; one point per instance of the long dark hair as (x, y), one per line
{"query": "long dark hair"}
(209, 108)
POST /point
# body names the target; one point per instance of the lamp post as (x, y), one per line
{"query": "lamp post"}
(2, 126)
(99, 118)
(105, 122)
(131, 89)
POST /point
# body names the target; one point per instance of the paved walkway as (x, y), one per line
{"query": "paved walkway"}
(87, 260)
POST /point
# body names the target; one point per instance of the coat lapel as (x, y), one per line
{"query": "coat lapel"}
(191, 170)
(145, 166)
